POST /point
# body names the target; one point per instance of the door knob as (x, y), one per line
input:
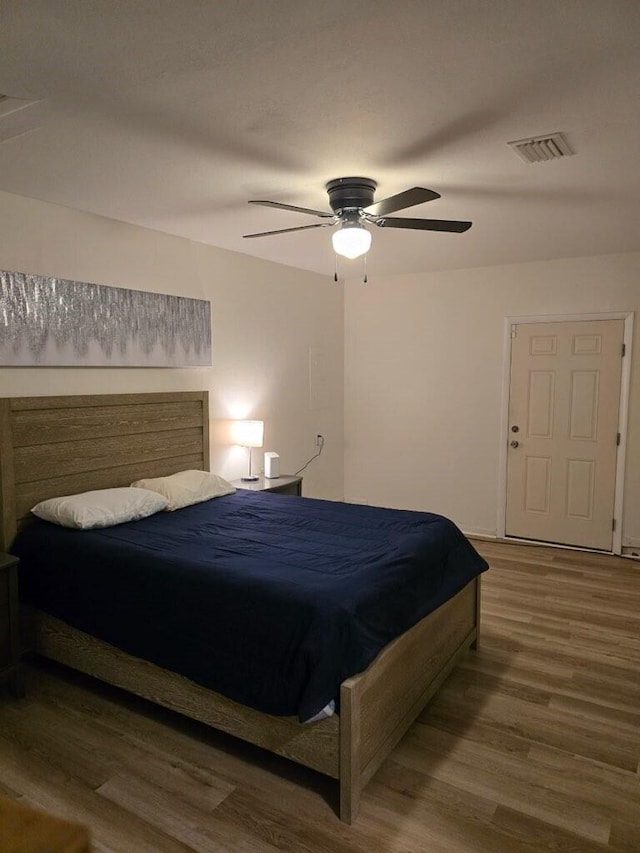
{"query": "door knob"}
(514, 443)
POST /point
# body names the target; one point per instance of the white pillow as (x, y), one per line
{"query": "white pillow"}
(187, 487)
(101, 508)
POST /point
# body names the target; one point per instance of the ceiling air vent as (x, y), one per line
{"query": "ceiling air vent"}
(538, 149)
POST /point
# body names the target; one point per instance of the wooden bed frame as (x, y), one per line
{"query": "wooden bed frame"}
(52, 446)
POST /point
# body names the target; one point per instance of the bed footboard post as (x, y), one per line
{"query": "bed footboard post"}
(350, 770)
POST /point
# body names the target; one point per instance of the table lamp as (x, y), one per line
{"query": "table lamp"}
(248, 434)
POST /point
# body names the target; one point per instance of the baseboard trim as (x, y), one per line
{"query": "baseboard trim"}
(485, 537)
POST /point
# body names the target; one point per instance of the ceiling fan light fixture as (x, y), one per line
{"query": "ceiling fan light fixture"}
(353, 208)
(351, 241)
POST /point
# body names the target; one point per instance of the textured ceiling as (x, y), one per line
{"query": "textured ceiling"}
(171, 114)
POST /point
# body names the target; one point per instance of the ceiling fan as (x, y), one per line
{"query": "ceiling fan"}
(351, 200)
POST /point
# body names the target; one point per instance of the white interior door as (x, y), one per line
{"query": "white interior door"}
(564, 402)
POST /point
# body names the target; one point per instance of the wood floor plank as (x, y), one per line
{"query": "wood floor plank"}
(624, 837)
(541, 835)
(426, 828)
(58, 744)
(509, 781)
(46, 787)
(596, 783)
(590, 737)
(165, 810)
(531, 745)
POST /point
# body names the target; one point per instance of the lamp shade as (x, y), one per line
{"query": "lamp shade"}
(248, 433)
(351, 240)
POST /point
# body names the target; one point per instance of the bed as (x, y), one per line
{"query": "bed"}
(51, 446)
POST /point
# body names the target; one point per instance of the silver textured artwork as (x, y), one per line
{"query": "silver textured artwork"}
(47, 321)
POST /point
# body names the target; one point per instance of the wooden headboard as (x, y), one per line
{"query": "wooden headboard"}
(51, 446)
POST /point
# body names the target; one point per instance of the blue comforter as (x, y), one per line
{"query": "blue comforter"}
(271, 600)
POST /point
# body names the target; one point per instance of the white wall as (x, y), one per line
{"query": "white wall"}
(265, 317)
(423, 356)
(423, 379)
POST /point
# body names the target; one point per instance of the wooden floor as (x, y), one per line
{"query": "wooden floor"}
(532, 744)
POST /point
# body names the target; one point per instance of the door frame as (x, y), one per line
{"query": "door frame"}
(623, 414)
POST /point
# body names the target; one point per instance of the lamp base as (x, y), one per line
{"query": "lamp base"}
(250, 478)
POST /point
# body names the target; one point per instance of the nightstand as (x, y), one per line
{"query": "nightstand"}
(284, 485)
(9, 631)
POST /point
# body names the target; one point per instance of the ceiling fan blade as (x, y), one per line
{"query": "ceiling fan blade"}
(409, 198)
(425, 224)
(285, 230)
(282, 206)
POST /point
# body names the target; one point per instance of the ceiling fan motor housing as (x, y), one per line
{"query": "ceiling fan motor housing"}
(346, 193)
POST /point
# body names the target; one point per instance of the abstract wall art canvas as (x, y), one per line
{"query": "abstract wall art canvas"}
(46, 322)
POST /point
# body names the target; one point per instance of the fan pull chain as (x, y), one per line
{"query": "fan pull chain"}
(365, 278)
